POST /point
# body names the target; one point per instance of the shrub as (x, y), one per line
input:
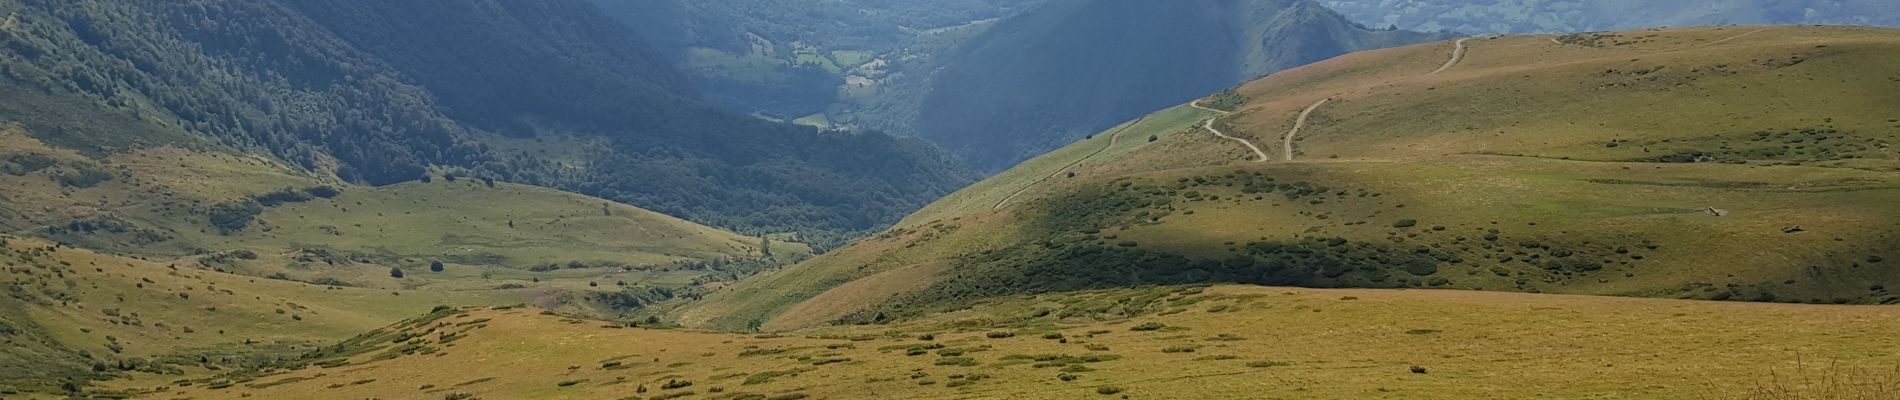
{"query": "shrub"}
(1418, 370)
(395, 273)
(1180, 349)
(1405, 223)
(435, 266)
(1108, 390)
(1266, 364)
(23, 164)
(1148, 327)
(233, 217)
(675, 384)
(1000, 335)
(957, 361)
(322, 191)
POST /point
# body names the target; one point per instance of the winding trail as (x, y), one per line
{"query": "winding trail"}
(1457, 54)
(1732, 38)
(1113, 139)
(1209, 125)
(1301, 124)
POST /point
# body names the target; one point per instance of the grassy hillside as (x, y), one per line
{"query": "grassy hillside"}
(168, 201)
(314, 261)
(1544, 164)
(1581, 16)
(1070, 68)
(1162, 343)
(73, 314)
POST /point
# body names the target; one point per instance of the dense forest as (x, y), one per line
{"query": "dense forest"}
(380, 92)
(1075, 67)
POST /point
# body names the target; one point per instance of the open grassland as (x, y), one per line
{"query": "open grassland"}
(165, 201)
(1037, 173)
(216, 260)
(1732, 163)
(107, 314)
(1160, 343)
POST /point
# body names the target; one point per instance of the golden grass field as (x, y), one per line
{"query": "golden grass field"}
(1220, 342)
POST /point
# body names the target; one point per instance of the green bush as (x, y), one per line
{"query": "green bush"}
(1148, 327)
(22, 164)
(234, 216)
(1108, 390)
(83, 176)
(957, 361)
(1180, 349)
(1405, 223)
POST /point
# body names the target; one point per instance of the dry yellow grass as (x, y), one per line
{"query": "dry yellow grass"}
(1248, 342)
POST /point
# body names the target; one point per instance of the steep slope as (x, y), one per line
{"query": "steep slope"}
(1074, 67)
(1522, 163)
(378, 92)
(1519, 16)
(1221, 342)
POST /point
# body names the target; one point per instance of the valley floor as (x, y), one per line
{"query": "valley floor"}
(1150, 343)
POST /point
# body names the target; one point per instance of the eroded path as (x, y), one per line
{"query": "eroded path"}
(1300, 123)
(1457, 54)
(1209, 125)
(1113, 139)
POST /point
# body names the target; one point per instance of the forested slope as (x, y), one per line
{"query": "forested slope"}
(377, 92)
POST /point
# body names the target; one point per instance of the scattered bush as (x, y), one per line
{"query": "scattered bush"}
(83, 176)
(1108, 390)
(1405, 223)
(957, 361)
(1148, 327)
(233, 217)
(1180, 349)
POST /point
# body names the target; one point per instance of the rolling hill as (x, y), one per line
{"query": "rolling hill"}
(1732, 163)
(1478, 17)
(1070, 67)
(168, 260)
